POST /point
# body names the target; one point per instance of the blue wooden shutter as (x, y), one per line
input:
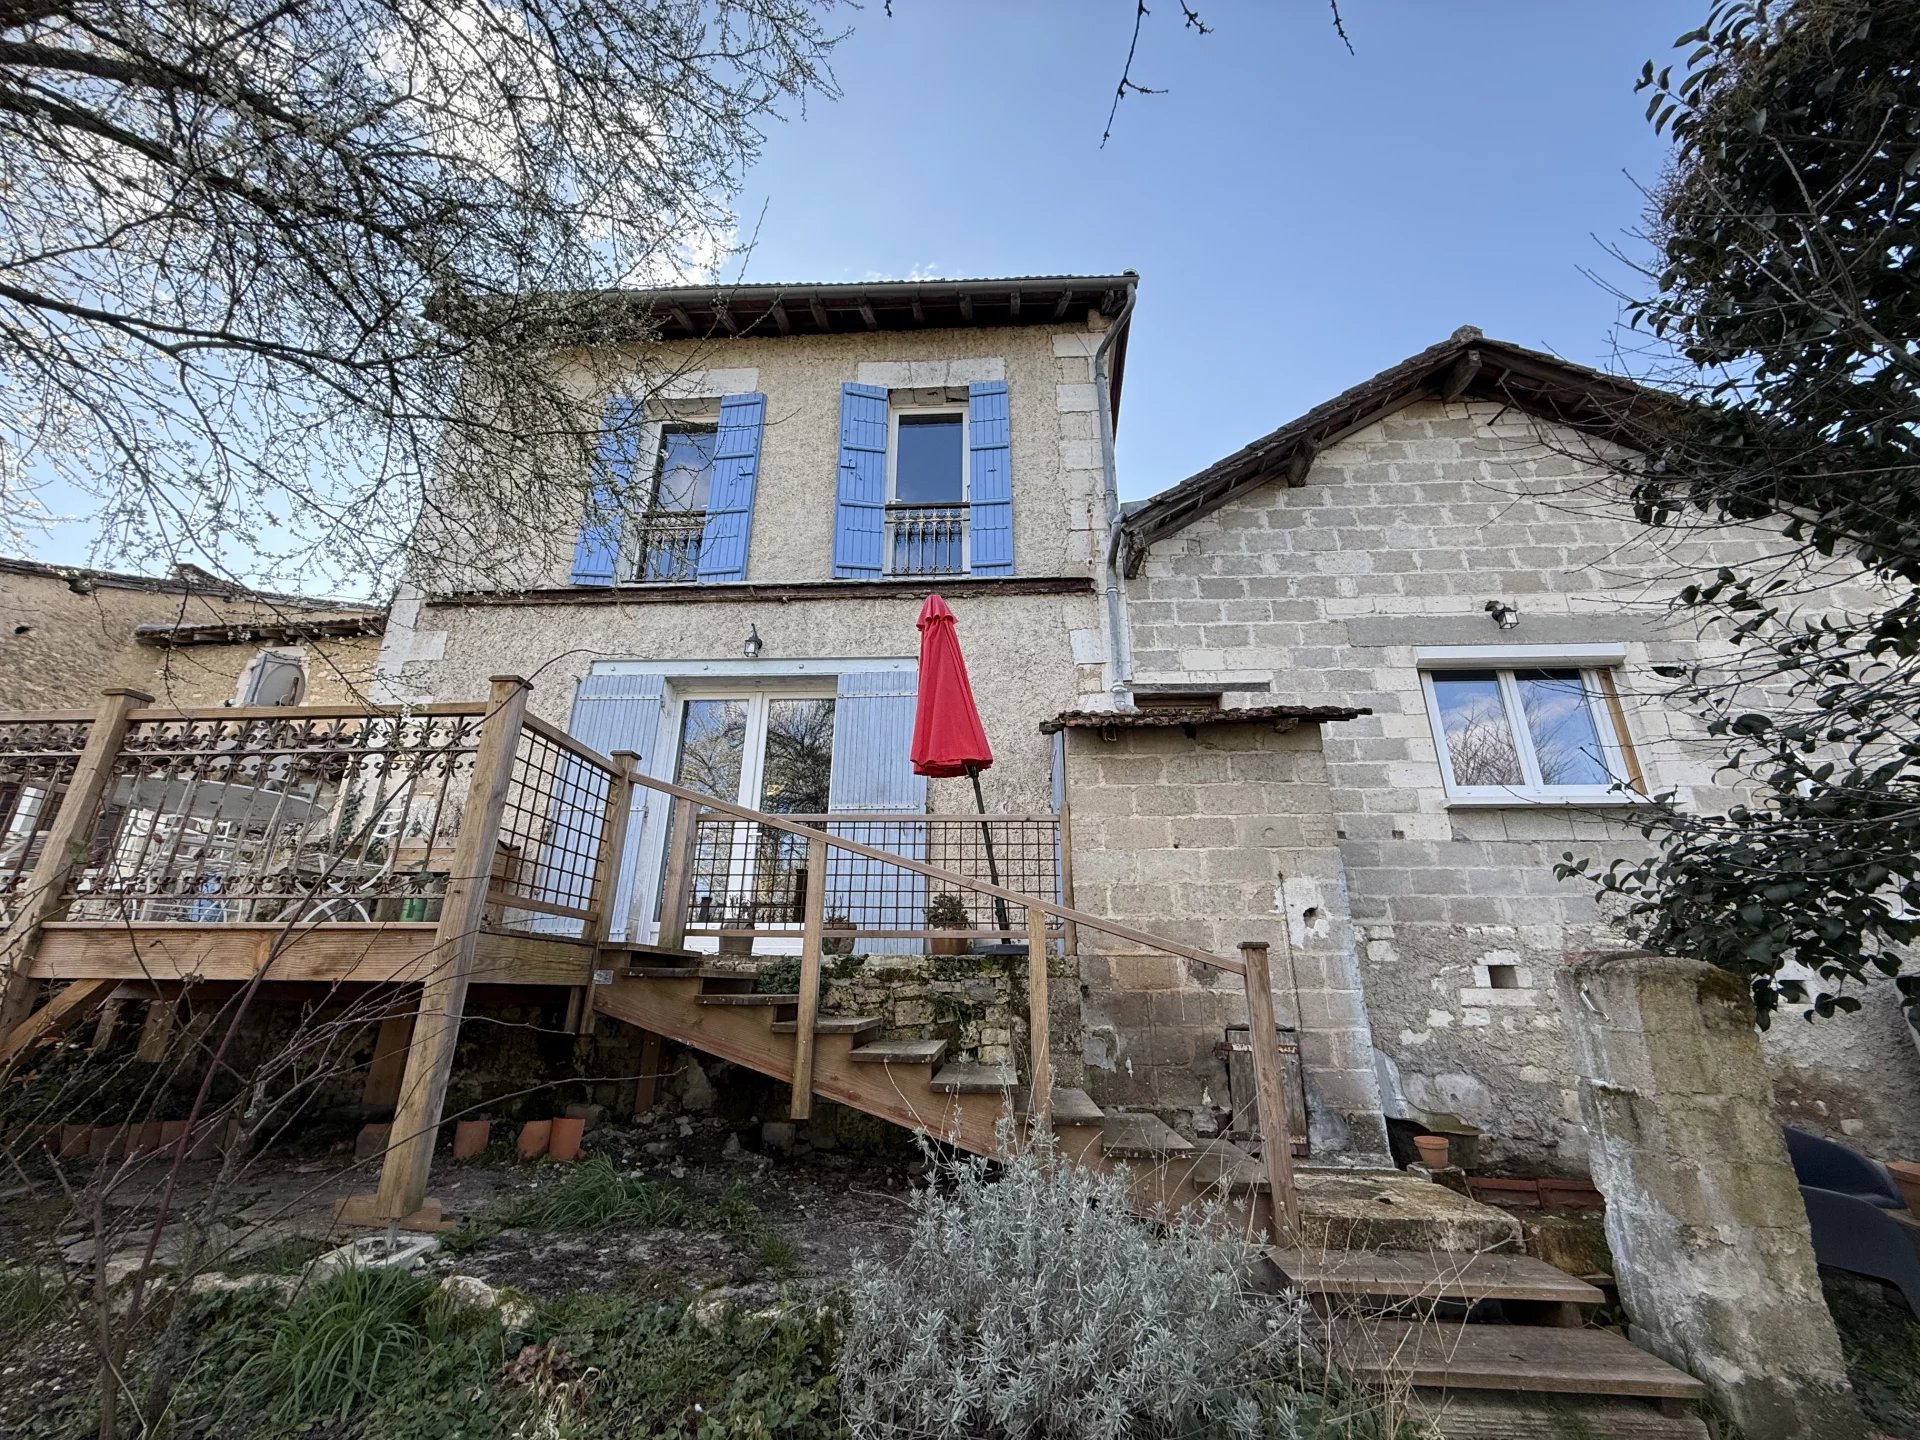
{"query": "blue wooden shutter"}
(990, 442)
(873, 772)
(598, 550)
(736, 465)
(622, 712)
(860, 518)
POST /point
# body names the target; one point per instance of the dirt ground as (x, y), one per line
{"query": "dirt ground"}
(828, 1206)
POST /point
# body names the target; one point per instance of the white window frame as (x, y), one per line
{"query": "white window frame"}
(965, 502)
(1617, 750)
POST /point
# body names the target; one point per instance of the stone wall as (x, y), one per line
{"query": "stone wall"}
(1322, 594)
(1215, 837)
(61, 646)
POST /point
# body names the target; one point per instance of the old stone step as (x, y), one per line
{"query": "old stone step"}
(900, 1052)
(1445, 1355)
(967, 1078)
(1127, 1135)
(1402, 1275)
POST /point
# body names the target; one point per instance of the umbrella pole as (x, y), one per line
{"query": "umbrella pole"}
(986, 836)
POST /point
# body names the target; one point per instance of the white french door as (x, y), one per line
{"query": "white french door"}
(769, 750)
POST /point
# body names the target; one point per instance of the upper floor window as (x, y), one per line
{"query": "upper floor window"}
(665, 543)
(1530, 732)
(927, 492)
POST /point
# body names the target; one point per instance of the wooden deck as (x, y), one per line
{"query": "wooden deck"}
(372, 952)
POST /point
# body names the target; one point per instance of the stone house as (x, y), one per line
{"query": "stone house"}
(818, 459)
(188, 638)
(1296, 698)
(1438, 548)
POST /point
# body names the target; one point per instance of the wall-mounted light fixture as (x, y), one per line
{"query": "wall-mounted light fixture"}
(752, 645)
(1504, 612)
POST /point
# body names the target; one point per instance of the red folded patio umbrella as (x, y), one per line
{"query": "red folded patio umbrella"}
(948, 738)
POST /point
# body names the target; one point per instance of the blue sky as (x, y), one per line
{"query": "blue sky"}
(1300, 217)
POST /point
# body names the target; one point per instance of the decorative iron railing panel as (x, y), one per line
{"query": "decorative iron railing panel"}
(927, 539)
(748, 877)
(37, 760)
(666, 546)
(295, 817)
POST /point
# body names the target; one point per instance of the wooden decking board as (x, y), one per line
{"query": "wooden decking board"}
(1127, 1134)
(1074, 1107)
(747, 997)
(900, 1052)
(1540, 1359)
(855, 1025)
(1431, 1275)
(966, 1078)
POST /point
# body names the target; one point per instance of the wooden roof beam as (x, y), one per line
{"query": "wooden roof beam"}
(1459, 376)
(819, 313)
(966, 309)
(782, 321)
(1065, 302)
(871, 320)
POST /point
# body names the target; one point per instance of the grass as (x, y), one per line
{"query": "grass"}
(1880, 1339)
(29, 1298)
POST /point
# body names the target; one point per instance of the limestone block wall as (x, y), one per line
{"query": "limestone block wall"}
(59, 648)
(1323, 594)
(1224, 835)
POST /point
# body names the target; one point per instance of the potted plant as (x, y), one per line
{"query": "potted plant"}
(837, 937)
(948, 911)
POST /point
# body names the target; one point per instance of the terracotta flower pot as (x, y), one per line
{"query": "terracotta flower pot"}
(535, 1136)
(563, 1141)
(74, 1140)
(1433, 1150)
(170, 1133)
(950, 942)
(470, 1138)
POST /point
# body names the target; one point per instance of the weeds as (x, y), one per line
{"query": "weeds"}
(593, 1196)
(29, 1299)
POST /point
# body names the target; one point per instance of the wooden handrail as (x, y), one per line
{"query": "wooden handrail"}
(862, 817)
(552, 733)
(950, 877)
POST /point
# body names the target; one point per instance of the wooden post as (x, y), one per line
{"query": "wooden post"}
(156, 1031)
(813, 937)
(646, 1090)
(606, 873)
(683, 824)
(44, 893)
(1069, 931)
(1276, 1142)
(423, 1090)
(1039, 1036)
(389, 1064)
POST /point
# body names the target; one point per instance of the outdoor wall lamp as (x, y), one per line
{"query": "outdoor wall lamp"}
(751, 647)
(1505, 614)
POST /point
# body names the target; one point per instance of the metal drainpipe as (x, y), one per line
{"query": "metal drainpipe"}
(1119, 640)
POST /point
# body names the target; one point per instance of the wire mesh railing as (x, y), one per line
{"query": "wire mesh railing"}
(747, 877)
(37, 760)
(302, 815)
(552, 828)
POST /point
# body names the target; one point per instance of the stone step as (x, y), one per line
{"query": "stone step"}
(854, 1025)
(967, 1078)
(744, 997)
(900, 1052)
(1128, 1135)
(1445, 1355)
(1402, 1275)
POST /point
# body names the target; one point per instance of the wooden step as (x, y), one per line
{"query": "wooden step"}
(966, 1078)
(1070, 1107)
(900, 1052)
(653, 954)
(1402, 1275)
(744, 997)
(854, 1025)
(1447, 1356)
(1127, 1135)
(1223, 1165)
(662, 972)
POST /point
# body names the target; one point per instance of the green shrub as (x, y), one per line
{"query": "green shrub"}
(593, 1195)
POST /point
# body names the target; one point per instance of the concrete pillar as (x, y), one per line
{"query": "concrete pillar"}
(1709, 1237)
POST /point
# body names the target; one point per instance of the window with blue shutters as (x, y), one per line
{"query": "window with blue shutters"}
(924, 489)
(687, 514)
(872, 773)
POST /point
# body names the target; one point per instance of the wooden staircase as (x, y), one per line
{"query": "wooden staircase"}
(1490, 1346)
(681, 996)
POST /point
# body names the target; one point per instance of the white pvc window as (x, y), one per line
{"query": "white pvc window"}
(1530, 733)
